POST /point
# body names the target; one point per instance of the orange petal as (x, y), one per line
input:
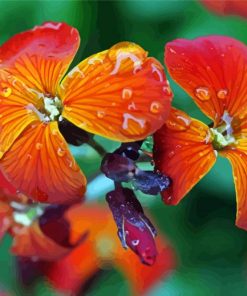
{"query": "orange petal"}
(31, 242)
(212, 70)
(183, 151)
(71, 272)
(40, 165)
(118, 93)
(15, 112)
(238, 158)
(41, 56)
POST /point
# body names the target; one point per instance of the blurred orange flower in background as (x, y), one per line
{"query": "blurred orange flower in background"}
(212, 70)
(119, 93)
(70, 244)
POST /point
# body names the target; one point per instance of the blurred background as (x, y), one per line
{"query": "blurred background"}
(211, 251)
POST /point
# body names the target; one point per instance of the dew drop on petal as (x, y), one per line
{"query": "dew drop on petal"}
(60, 152)
(167, 90)
(134, 125)
(100, 114)
(202, 93)
(222, 94)
(126, 93)
(38, 146)
(155, 107)
(6, 92)
(171, 154)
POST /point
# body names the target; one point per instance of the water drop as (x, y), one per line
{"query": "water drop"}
(167, 90)
(203, 93)
(6, 92)
(29, 156)
(171, 154)
(155, 107)
(38, 146)
(135, 242)
(134, 125)
(60, 152)
(126, 93)
(100, 114)
(222, 93)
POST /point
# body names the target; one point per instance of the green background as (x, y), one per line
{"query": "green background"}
(211, 251)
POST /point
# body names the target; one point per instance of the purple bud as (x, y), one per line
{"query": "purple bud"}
(134, 229)
(130, 150)
(118, 168)
(150, 182)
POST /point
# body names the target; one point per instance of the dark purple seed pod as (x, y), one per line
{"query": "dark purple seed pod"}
(118, 168)
(150, 182)
(130, 150)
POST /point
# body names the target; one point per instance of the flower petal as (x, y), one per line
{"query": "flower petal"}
(225, 7)
(102, 248)
(15, 112)
(32, 242)
(182, 151)
(118, 93)
(40, 165)
(212, 70)
(238, 158)
(41, 56)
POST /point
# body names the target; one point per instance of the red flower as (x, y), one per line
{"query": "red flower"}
(212, 70)
(225, 7)
(119, 93)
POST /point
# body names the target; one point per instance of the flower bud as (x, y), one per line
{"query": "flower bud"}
(134, 228)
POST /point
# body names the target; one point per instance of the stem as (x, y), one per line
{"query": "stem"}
(97, 147)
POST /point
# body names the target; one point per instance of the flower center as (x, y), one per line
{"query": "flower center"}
(24, 214)
(223, 134)
(51, 109)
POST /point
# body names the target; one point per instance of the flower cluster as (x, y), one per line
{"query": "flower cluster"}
(123, 95)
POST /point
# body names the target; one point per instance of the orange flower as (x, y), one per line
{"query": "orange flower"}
(212, 70)
(225, 7)
(119, 93)
(100, 248)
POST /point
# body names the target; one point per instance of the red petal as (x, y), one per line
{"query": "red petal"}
(41, 56)
(183, 151)
(118, 93)
(238, 158)
(212, 70)
(224, 7)
(15, 116)
(40, 165)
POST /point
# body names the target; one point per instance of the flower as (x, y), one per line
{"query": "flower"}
(118, 93)
(225, 7)
(212, 70)
(99, 249)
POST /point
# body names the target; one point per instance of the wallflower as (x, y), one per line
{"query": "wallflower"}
(119, 93)
(227, 7)
(212, 70)
(99, 249)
